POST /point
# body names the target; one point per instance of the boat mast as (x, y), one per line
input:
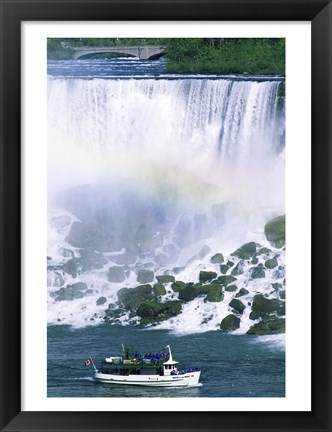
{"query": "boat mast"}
(170, 353)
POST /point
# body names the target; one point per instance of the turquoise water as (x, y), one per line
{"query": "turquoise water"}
(232, 365)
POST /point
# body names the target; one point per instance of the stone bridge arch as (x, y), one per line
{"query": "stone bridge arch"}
(144, 52)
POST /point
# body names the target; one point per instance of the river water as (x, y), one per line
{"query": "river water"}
(171, 165)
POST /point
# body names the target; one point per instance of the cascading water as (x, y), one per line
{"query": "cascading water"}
(158, 174)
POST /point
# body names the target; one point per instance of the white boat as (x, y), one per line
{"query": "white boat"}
(153, 370)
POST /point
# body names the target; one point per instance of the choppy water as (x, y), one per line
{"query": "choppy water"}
(232, 366)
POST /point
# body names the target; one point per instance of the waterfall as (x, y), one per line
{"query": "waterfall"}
(158, 169)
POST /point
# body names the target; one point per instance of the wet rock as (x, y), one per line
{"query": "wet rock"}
(230, 323)
(275, 231)
(212, 291)
(257, 272)
(218, 258)
(165, 279)
(116, 274)
(238, 269)
(131, 298)
(270, 325)
(224, 268)
(207, 276)
(242, 292)
(188, 293)
(226, 279)
(237, 305)
(159, 290)
(70, 292)
(246, 251)
(262, 307)
(178, 286)
(145, 276)
(71, 267)
(152, 311)
(231, 288)
(271, 263)
(101, 301)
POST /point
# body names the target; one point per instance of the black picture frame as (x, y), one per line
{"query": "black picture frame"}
(13, 12)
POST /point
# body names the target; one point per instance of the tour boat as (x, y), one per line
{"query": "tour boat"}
(154, 370)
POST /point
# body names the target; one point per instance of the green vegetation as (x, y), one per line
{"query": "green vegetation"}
(193, 55)
(223, 56)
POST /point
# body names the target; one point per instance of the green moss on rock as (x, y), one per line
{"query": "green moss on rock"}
(224, 268)
(131, 298)
(246, 251)
(271, 263)
(218, 258)
(237, 305)
(207, 276)
(152, 311)
(257, 272)
(178, 286)
(275, 231)
(159, 289)
(165, 279)
(231, 288)
(226, 279)
(262, 307)
(271, 325)
(242, 292)
(230, 323)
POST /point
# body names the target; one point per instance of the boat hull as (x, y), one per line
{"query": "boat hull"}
(185, 380)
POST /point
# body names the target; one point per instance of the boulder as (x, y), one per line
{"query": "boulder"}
(212, 291)
(230, 323)
(165, 279)
(188, 293)
(90, 260)
(270, 325)
(262, 307)
(159, 290)
(271, 263)
(152, 311)
(71, 267)
(226, 279)
(145, 276)
(231, 288)
(238, 269)
(131, 298)
(178, 286)
(242, 292)
(224, 268)
(237, 305)
(101, 301)
(70, 292)
(246, 251)
(116, 274)
(218, 258)
(207, 276)
(257, 272)
(275, 231)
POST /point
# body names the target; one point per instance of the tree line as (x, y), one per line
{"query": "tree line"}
(196, 55)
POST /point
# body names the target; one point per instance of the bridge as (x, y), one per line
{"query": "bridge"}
(144, 52)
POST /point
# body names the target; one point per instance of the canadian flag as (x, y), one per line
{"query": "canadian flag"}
(89, 361)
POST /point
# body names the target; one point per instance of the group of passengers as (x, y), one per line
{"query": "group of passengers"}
(154, 358)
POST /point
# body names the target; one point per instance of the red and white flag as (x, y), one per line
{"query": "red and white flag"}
(89, 361)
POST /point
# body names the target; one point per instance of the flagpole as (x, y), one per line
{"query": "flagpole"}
(96, 370)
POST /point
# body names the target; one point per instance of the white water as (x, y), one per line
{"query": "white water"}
(194, 144)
